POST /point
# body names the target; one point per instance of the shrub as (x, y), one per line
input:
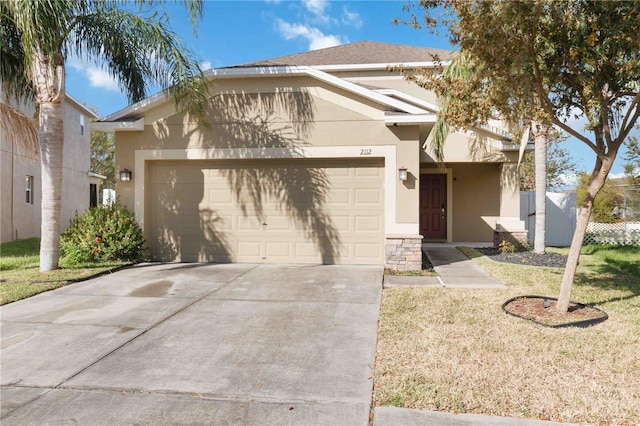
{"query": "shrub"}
(506, 247)
(103, 234)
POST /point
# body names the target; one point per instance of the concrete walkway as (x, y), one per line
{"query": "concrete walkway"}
(237, 344)
(393, 416)
(454, 269)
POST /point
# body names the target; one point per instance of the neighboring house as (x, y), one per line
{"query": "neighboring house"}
(304, 160)
(20, 189)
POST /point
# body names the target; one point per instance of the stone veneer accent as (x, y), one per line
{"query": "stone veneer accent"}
(517, 238)
(403, 252)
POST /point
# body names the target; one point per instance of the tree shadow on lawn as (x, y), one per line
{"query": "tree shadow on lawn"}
(613, 276)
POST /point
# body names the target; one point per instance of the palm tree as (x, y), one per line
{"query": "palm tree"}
(137, 49)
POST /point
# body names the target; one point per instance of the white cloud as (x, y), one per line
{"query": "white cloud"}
(569, 181)
(617, 175)
(101, 79)
(351, 18)
(315, 37)
(317, 7)
(205, 65)
(97, 77)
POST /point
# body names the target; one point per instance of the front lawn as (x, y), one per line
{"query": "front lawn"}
(20, 276)
(455, 350)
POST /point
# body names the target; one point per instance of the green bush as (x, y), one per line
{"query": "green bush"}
(103, 234)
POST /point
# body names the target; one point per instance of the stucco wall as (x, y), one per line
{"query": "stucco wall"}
(76, 163)
(21, 220)
(290, 113)
(476, 201)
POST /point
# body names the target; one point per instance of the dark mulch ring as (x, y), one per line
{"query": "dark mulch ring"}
(552, 260)
(541, 310)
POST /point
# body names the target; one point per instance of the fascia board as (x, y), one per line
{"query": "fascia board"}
(96, 175)
(408, 98)
(77, 104)
(515, 147)
(408, 119)
(140, 107)
(119, 126)
(364, 92)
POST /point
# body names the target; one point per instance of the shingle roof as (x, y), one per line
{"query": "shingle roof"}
(363, 52)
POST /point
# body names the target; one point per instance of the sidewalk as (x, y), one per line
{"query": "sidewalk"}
(454, 269)
(394, 416)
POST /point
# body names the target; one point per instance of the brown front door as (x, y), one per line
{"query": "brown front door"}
(433, 203)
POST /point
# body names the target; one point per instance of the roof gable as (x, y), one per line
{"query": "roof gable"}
(364, 52)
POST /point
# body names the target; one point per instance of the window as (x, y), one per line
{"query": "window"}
(93, 195)
(29, 189)
(81, 125)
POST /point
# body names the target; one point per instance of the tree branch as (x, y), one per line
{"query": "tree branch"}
(634, 104)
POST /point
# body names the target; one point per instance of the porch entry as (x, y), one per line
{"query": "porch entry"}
(433, 206)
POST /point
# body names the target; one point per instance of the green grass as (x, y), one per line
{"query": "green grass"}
(455, 350)
(624, 258)
(19, 254)
(21, 278)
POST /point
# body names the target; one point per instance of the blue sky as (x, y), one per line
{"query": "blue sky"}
(236, 32)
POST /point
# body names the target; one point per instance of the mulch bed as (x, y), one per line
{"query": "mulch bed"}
(549, 260)
(541, 310)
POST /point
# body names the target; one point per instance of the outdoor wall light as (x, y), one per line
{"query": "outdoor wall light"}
(125, 175)
(402, 173)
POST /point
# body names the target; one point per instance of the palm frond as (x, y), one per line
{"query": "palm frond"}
(141, 50)
(18, 127)
(460, 69)
(15, 84)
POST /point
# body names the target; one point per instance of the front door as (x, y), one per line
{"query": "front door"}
(433, 203)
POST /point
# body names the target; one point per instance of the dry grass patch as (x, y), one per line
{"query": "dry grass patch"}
(455, 350)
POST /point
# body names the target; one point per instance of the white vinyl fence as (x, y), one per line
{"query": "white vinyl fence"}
(560, 221)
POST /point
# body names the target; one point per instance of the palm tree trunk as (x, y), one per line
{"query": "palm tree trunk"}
(51, 139)
(49, 88)
(540, 146)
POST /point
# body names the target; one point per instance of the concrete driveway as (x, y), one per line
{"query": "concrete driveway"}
(195, 344)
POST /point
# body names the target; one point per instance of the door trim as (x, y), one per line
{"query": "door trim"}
(449, 172)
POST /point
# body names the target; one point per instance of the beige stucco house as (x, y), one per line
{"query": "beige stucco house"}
(304, 160)
(20, 186)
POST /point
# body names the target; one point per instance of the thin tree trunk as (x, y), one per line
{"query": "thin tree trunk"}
(598, 179)
(51, 144)
(541, 132)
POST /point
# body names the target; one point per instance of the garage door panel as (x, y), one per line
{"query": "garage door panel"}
(338, 169)
(368, 223)
(278, 223)
(339, 196)
(200, 206)
(368, 196)
(281, 249)
(219, 196)
(368, 171)
(367, 252)
(249, 249)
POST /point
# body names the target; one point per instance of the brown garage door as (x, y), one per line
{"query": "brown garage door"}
(285, 211)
